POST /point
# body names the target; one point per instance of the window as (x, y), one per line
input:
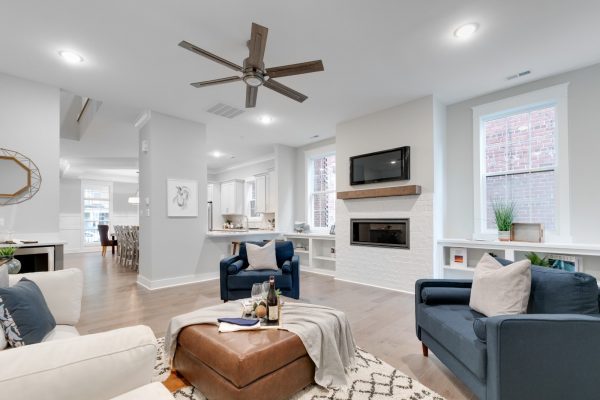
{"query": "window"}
(96, 201)
(251, 209)
(523, 159)
(520, 154)
(321, 191)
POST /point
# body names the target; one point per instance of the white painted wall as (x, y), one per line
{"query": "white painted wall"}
(410, 124)
(285, 172)
(70, 218)
(584, 163)
(29, 124)
(172, 250)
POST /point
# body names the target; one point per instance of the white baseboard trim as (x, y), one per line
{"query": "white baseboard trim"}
(176, 281)
(86, 250)
(318, 271)
(375, 286)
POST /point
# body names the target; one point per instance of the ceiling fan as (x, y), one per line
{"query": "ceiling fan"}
(254, 73)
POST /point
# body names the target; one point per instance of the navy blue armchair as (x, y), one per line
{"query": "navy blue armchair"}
(551, 352)
(237, 281)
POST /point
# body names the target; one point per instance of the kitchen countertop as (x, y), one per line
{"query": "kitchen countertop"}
(234, 233)
(41, 243)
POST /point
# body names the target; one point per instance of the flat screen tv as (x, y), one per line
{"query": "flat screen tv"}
(381, 166)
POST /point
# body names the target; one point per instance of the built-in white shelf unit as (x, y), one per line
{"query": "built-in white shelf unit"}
(314, 251)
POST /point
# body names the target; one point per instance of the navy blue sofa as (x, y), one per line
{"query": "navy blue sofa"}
(237, 281)
(552, 352)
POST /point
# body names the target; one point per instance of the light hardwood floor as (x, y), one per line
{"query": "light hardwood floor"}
(382, 320)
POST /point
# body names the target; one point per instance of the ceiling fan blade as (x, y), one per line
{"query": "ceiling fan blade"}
(295, 69)
(284, 90)
(210, 56)
(251, 92)
(257, 45)
(216, 81)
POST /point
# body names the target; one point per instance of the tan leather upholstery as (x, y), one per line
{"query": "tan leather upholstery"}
(268, 364)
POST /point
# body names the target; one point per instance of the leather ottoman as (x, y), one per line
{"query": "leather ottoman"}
(264, 364)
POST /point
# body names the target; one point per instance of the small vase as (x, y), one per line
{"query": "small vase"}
(13, 265)
(504, 236)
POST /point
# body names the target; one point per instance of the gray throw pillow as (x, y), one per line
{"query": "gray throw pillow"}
(499, 290)
(24, 314)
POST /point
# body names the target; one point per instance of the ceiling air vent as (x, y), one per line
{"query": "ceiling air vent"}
(519, 75)
(224, 110)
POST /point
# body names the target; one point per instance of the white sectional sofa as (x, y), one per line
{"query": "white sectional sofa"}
(118, 364)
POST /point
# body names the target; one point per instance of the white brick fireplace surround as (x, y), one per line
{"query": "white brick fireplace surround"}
(418, 124)
(393, 268)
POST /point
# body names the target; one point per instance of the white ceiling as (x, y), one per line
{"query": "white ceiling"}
(376, 54)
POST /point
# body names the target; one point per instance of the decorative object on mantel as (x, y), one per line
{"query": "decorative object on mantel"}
(7, 257)
(406, 190)
(504, 213)
(526, 232)
(21, 178)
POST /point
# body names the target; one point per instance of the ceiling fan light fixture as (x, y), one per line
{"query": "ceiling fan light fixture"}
(253, 80)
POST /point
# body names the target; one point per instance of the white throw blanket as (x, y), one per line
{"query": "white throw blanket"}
(325, 333)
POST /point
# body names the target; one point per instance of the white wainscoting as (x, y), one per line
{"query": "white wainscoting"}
(71, 227)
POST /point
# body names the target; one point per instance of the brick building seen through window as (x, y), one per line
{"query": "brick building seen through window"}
(520, 164)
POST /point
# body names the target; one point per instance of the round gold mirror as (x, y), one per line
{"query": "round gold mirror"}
(20, 180)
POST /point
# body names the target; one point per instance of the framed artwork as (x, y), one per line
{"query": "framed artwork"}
(182, 198)
(564, 262)
(458, 257)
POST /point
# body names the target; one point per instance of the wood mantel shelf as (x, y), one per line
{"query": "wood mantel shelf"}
(408, 190)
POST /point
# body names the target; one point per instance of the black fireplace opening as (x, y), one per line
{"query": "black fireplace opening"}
(393, 232)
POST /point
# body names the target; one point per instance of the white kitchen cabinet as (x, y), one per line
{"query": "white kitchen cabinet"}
(261, 193)
(232, 197)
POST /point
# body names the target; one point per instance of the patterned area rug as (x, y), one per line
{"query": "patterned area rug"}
(371, 379)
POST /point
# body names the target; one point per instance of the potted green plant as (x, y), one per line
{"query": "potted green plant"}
(537, 260)
(7, 258)
(504, 212)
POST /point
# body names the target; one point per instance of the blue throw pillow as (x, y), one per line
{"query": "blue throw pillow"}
(24, 314)
(555, 291)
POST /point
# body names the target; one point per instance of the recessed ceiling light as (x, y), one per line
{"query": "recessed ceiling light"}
(70, 57)
(466, 30)
(265, 119)
(216, 154)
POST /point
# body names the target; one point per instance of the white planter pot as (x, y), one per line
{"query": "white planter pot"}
(504, 236)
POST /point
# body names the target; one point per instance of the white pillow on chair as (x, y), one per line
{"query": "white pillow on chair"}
(261, 257)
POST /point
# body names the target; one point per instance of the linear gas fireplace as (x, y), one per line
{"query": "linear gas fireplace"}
(380, 232)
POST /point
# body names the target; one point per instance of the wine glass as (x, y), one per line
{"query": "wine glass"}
(257, 292)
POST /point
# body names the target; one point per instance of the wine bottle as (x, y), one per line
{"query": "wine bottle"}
(272, 306)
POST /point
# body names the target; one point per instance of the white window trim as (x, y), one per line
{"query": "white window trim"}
(110, 209)
(310, 155)
(557, 95)
(247, 200)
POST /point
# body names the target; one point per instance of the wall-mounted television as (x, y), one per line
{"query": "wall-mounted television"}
(381, 166)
